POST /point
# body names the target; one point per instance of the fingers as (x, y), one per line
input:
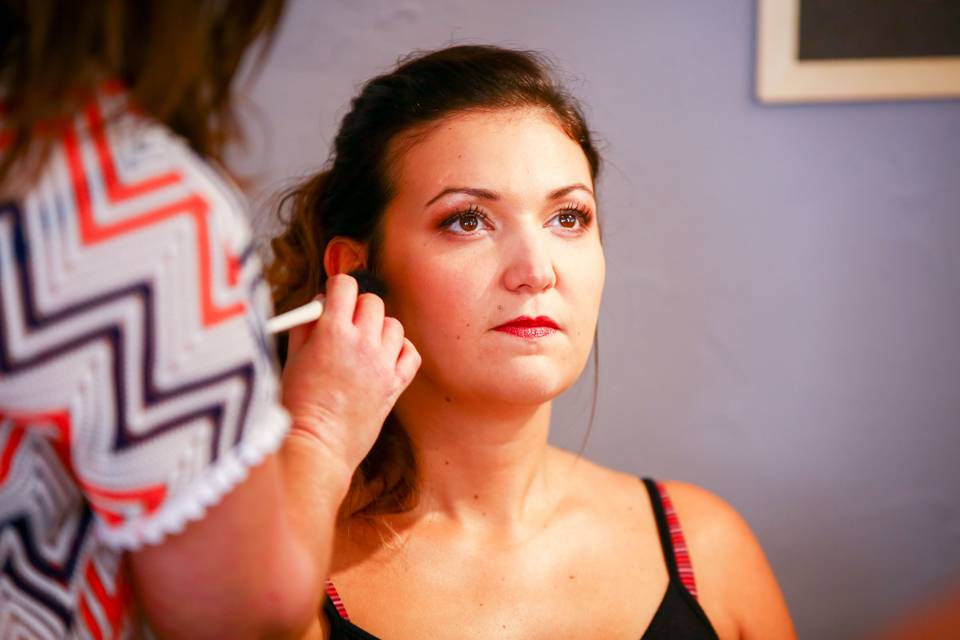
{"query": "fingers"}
(407, 363)
(392, 336)
(369, 314)
(300, 334)
(341, 298)
(344, 305)
(296, 338)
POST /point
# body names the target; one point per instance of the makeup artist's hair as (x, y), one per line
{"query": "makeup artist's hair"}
(177, 58)
(349, 197)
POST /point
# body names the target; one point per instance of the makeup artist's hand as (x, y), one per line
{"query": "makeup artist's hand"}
(345, 372)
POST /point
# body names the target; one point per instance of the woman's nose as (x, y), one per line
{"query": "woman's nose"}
(530, 266)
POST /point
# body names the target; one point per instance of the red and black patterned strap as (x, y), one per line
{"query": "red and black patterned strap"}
(675, 551)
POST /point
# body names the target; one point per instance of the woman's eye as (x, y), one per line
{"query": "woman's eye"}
(572, 219)
(469, 222)
(568, 220)
(465, 222)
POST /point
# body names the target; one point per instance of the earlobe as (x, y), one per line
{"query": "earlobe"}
(344, 255)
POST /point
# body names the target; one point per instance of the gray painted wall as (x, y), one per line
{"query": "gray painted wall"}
(782, 311)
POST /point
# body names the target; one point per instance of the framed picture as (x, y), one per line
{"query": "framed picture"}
(840, 50)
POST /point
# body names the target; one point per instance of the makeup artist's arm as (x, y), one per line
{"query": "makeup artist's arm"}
(256, 563)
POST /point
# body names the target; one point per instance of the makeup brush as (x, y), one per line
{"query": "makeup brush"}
(310, 312)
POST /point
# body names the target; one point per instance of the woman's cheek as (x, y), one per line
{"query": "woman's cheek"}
(441, 308)
(590, 290)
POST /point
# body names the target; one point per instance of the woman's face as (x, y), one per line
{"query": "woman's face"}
(492, 257)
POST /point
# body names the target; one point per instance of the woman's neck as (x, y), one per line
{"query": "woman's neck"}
(480, 466)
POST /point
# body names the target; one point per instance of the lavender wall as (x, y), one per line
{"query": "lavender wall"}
(781, 322)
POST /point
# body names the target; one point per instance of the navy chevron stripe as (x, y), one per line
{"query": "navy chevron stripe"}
(65, 614)
(114, 337)
(61, 572)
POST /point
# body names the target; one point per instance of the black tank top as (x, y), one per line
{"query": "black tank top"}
(679, 616)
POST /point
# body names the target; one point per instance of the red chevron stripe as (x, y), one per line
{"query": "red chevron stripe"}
(89, 620)
(59, 420)
(150, 498)
(114, 605)
(193, 205)
(10, 449)
(101, 500)
(118, 191)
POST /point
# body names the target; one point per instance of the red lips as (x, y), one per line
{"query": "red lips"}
(527, 327)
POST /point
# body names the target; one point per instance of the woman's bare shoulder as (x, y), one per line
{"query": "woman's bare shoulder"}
(702, 513)
(707, 517)
(736, 584)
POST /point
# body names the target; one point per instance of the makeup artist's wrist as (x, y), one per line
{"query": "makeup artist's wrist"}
(306, 456)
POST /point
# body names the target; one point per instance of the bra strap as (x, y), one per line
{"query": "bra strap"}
(675, 551)
(335, 600)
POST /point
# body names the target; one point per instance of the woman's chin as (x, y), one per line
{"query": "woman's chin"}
(523, 386)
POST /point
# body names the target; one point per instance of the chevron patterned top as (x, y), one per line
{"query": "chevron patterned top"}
(136, 383)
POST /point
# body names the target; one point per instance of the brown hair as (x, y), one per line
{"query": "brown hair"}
(177, 58)
(349, 197)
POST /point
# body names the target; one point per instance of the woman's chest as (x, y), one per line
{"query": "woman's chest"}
(547, 591)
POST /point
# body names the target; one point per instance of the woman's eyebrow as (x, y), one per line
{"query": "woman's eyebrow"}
(486, 194)
(483, 194)
(559, 193)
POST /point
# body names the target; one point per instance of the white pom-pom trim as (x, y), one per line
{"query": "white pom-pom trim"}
(214, 482)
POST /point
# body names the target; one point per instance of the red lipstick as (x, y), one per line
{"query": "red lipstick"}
(527, 327)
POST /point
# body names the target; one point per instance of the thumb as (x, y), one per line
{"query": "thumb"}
(296, 338)
(300, 334)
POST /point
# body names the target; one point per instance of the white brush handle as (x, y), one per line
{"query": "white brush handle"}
(295, 317)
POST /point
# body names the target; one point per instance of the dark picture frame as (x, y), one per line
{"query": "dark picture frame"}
(830, 50)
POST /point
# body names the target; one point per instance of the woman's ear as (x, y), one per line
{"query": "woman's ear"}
(344, 255)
